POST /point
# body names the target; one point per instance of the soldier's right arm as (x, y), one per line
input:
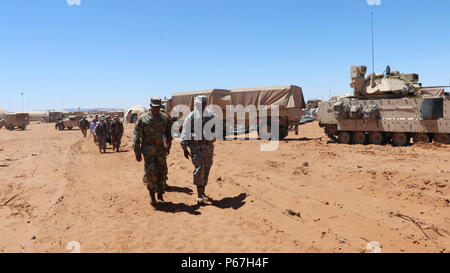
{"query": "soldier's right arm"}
(186, 132)
(137, 137)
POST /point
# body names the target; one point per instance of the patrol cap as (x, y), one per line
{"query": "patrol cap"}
(116, 116)
(156, 102)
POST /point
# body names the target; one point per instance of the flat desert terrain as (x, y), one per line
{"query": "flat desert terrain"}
(310, 195)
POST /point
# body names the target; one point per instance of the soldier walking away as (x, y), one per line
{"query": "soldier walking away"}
(100, 132)
(84, 126)
(153, 139)
(200, 144)
(116, 133)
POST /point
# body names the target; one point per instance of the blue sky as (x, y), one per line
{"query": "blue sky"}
(118, 53)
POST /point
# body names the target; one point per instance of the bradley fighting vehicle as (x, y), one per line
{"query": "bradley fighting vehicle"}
(390, 107)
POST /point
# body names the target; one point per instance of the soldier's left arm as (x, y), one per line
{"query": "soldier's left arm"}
(168, 132)
(137, 138)
(121, 129)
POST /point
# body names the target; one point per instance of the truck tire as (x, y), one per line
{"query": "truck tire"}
(421, 138)
(345, 137)
(70, 128)
(10, 127)
(61, 127)
(441, 138)
(282, 133)
(376, 138)
(359, 138)
(265, 127)
(401, 139)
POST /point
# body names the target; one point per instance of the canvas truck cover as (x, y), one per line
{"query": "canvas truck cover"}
(289, 97)
(220, 97)
(435, 92)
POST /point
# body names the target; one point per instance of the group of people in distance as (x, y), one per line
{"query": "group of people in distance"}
(104, 130)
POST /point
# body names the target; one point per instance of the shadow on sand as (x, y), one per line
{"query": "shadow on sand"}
(176, 208)
(187, 191)
(303, 139)
(230, 202)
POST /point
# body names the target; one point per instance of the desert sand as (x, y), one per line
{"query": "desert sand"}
(311, 195)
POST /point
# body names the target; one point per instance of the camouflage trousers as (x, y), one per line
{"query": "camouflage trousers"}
(116, 140)
(155, 171)
(202, 158)
(84, 131)
(101, 142)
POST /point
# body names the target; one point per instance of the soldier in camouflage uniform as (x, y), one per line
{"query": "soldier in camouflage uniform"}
(153, 139)
(84, 126)
(200, 144)
(100, 132)
(108, 123)
(116, 133)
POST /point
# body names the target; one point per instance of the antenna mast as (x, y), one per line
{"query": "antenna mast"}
(373, 47)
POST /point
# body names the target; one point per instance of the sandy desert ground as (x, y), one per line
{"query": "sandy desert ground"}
(311, 195)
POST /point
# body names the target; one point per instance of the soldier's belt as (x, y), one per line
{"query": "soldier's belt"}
(153, 142)
(198, 142)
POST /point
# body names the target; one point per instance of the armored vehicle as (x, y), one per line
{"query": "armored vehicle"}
(389, 107)
(18, 120)
(68, 122)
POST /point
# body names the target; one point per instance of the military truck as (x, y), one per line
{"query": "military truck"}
(18, 120)
(219, 97)
(289, 100)
(69, 122)
(392, 107)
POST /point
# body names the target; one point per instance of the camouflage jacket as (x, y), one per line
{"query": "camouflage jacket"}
(84, 124)
(117, 128)
(101, 130)
(150, 132)
(108, 127)
(188, 133)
